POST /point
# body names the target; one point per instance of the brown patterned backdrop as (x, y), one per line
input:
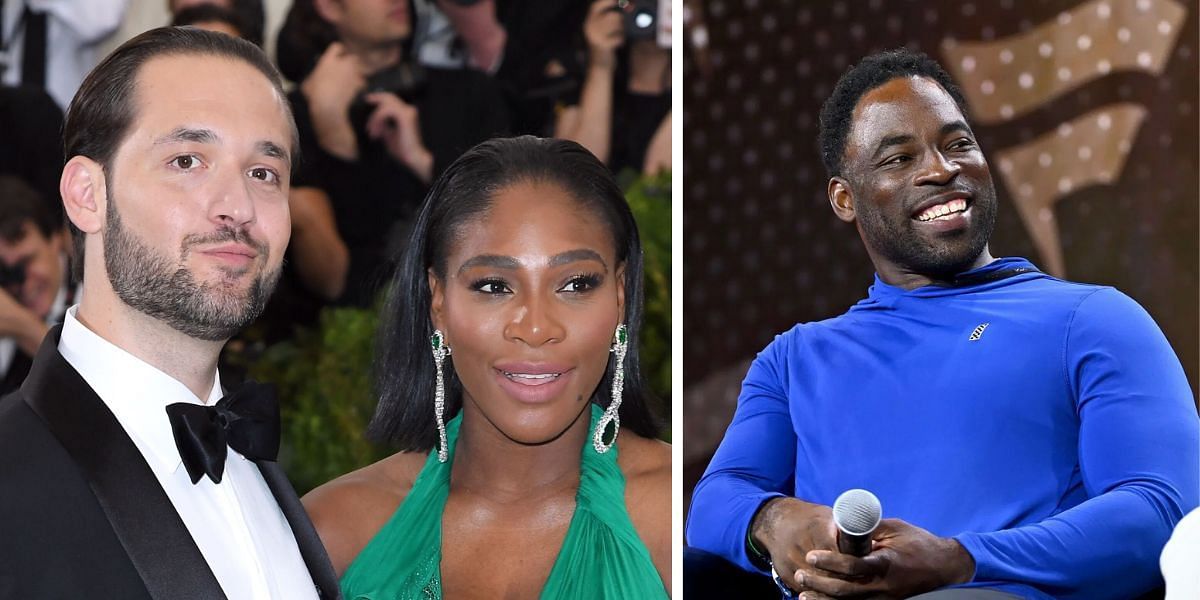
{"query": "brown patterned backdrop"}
(1087, 112)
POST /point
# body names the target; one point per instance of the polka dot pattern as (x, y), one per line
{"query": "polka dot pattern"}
(762, 250)
(1013, 75)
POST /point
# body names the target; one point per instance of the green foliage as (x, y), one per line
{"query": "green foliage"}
(324, 382)
(323, 375)
(649, 198)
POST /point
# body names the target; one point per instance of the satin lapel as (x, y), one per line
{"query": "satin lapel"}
(150, 530)
(311, 548)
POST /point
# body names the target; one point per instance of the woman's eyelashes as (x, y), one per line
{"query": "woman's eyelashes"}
(582, 283)
(491, 286)
(576, 285)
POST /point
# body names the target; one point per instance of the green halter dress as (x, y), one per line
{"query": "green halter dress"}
(601, 556)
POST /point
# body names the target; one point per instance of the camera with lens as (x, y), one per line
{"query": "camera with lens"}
(12, 277)
(641, 18)
(405, 80)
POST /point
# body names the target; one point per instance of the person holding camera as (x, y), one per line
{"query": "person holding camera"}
(34, 289)
(623, 112)
(376, 128)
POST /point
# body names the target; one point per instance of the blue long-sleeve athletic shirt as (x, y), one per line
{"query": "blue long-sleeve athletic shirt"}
(1046, 425)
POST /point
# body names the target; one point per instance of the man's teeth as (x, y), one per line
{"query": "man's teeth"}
(531, 375)
(941, 211)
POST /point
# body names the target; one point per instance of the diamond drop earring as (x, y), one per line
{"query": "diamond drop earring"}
(440, 352)
(611, 414)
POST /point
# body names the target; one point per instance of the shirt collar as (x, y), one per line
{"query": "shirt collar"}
(881, 290)
(59, 303)
(136, 392)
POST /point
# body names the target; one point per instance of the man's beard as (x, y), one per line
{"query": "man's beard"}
(900, 242)
(148, 282)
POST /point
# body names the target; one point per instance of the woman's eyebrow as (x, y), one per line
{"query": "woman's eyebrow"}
(571, 256)
(497, 261)
(494, 261)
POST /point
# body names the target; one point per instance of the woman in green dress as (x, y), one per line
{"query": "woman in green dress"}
(509, 381)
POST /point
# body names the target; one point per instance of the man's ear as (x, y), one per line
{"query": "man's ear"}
(437, 300)
(84, 193)
(841, 199)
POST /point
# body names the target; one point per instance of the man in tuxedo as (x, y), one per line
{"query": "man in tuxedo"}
(124, 472)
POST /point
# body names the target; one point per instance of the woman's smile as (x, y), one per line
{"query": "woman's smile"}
(533, 385)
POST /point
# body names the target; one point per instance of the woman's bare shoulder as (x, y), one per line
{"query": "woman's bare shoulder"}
(645, 460)
(646, 464)
(348, 511)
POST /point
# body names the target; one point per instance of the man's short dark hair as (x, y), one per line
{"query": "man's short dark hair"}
(302, 39)
(103, 110)
(250, 13)
(21, 204)
(209, 13)
(872, 72)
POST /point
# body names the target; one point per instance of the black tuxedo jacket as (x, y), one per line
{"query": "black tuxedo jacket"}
(81, 513)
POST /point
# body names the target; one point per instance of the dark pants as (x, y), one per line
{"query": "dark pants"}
(965, 594)
(706, 575)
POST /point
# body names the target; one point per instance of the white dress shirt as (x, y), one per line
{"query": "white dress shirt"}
(237, 523)
(74, 30)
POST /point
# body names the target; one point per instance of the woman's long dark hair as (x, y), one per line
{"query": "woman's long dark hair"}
(404, 366)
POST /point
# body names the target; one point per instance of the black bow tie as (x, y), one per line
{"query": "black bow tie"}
(246, 420)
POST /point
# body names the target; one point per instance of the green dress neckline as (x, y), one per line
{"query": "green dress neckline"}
(601, 555)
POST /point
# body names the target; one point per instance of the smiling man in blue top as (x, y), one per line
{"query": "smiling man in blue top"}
(1026, 435)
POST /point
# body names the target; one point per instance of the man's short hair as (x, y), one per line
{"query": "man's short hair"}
(250, 13)
(103, 110)
(21, 204)
(209, 13)
(872, 72)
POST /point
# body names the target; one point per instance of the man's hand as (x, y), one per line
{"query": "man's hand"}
(905, 560)
(789, 529)
(396, 123)
(21, 324)
(604, 32)
(335, 80)
(330, 88)
(658, 151)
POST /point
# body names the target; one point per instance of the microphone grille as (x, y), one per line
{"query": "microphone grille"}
(857, 512)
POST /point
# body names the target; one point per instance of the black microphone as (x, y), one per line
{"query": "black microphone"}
(856, 513)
